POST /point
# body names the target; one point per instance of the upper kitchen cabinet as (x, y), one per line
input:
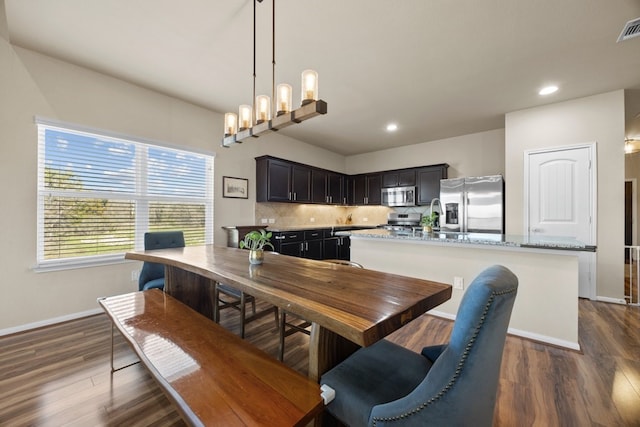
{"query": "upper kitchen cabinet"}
(327, 187)
(399, 178)
(367, 189)
(319, 186)
(335, 188)
(428, 182)
(278, 180)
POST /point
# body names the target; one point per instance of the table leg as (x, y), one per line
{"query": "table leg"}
(192, 289)
(326, 350)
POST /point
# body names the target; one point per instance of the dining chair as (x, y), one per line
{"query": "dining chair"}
(152, 274)
(453, 384)
(287, 328)
(226, 296)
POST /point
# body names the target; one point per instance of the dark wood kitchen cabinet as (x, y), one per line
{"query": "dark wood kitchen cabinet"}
(327, 187)
(335, 188)
(337, 248)
(367, 189)
(281, 181)
(428, 182)
(399, 178)
(303, 243)
(319, 186)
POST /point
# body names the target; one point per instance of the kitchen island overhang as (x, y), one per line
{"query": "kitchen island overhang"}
(546, 308)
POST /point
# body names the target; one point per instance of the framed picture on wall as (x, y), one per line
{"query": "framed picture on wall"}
(235, 188)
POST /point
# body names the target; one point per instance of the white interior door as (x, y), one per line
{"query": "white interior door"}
(561, 200)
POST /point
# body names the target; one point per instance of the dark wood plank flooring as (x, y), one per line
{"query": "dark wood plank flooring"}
(59, 375)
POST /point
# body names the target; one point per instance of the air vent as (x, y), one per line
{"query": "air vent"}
(630, 30)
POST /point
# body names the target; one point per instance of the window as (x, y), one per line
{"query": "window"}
(98, 193)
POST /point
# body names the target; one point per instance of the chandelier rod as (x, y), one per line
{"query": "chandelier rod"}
(273, 57)
(253, 99)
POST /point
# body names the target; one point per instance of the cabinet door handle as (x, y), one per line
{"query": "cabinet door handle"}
(306, 246)
(290, 195)
(301, 247)
(295, 196)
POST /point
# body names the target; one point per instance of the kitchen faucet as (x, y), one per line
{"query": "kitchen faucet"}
(440, 211)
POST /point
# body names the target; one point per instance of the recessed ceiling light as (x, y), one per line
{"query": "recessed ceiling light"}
(548, 90)
(392, 127)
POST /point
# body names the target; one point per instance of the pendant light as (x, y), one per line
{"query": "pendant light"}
(257, 119)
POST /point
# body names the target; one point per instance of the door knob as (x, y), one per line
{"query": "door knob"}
(536, 230)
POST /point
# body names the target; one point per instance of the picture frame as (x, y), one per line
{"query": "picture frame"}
(235, 188)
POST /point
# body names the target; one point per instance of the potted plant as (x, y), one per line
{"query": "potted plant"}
(255, 241)
(428, 221)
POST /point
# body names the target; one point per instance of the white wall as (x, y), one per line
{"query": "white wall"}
(598, 118)
(32, 84)
(540, 273)
(475, 154)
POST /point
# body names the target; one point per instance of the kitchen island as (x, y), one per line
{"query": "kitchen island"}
(546, 308)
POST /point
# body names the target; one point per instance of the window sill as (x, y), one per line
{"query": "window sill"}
(47, 267)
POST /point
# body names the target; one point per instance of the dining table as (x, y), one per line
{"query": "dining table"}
(348, 307)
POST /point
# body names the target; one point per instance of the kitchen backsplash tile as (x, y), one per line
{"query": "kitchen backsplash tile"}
(295, 215)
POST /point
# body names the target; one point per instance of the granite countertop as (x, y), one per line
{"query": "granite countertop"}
(277, 228)
(487, 239)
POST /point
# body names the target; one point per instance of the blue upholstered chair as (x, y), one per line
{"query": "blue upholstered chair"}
(447, 385)
(152, 274)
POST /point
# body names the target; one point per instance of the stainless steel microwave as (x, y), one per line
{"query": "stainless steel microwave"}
(399, 196)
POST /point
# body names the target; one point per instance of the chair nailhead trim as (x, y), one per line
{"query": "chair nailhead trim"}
(459, 368)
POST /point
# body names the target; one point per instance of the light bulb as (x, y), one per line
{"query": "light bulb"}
(309, 86)
(230, 124)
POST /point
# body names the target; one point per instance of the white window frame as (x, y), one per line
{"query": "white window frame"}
(140, 196)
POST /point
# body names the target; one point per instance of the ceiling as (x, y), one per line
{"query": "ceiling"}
(438, 68)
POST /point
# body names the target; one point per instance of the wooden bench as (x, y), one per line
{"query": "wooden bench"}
(211, 375)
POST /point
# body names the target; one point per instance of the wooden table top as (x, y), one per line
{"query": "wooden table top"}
(361, 305)
(211, 375)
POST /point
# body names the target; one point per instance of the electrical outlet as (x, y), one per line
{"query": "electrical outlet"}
(312, 220)
(272, 220)
(458, 282)
(263, 220)
(365, 219)
(135, 274)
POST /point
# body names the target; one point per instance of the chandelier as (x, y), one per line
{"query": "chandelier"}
(257, 119)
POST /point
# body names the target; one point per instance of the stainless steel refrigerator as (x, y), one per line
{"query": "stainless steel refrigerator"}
(473, 204)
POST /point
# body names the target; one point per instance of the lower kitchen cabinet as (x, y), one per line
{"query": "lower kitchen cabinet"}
(337, 248)
(303, 244)
(312, 244)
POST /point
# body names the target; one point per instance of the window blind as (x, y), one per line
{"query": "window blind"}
(98, 194)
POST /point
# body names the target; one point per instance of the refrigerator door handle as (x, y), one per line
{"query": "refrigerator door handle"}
(465, 212)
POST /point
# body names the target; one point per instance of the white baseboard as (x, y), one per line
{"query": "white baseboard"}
(545, 339)
(443, 314)
(524, 334)
(47, 322)
(612, 300)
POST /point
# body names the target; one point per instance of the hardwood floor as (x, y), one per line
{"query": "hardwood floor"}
(59, 375)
